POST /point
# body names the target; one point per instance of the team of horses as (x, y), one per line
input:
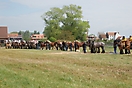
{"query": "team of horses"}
(124, 45)
(20, 45)
(58, 45)
(94, 46)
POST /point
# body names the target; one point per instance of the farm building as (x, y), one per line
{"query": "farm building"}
(14, 36)
(37, 36)
(3, 33)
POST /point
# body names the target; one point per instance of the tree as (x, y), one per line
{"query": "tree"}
(52, 39)
(35, 32)
(20, 32)
(62, 23)
(14, 32)
(26, 35)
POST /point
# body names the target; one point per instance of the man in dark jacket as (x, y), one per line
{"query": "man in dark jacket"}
(84, 47)
(115, 46)
(70, 46)
(75, 45)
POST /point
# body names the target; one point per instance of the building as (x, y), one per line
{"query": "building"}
(37, 36)
(14, 36)
(101, 35)
(3, 34)
(110, 35)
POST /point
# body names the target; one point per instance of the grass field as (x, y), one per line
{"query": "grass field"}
(21, 68)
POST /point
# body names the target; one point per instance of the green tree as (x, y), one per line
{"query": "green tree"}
(20, 32)
(14, 32)
(26, 35)
(36, 32)
(66, 22)
(52, 39)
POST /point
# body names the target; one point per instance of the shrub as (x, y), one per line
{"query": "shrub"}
(52, 39)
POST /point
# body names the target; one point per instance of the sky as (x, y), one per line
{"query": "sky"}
(103, 15)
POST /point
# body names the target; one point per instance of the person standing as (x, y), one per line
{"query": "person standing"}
(115, 46)
(84, 47)
(63, 46)
(70, 45)
(130, 38)
(75, 45)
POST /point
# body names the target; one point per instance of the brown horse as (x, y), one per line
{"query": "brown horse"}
(52, 44)
(23, 45)
(8, 45)
(124, 45)
(58, 45)
(42, 45)
(16, 45)
(70, 45)
(77, 45)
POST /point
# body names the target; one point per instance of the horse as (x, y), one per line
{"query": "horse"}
(15, 44)
(77, 45)
(31, 45)
(58, 45)
(23, 45)
(8, 45)
(124, 45)
(0, 45)
(95, 46)
(64, 46)
(52, 44)
(42, 45)
(70, 45)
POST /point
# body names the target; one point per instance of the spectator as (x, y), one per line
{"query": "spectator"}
(84, 47)
(70, 45)
(75, 45)
(115, 46)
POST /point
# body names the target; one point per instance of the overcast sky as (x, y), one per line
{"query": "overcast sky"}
(103, 15)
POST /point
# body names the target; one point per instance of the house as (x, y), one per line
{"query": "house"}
(14, 36)
(37, 36)
(110, 35)
(113, 35)
(3, 34)
(101, 35)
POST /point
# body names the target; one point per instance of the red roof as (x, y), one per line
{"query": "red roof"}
(111, 33)
(13, 35)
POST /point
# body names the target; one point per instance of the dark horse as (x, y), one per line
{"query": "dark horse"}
(95, 46)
